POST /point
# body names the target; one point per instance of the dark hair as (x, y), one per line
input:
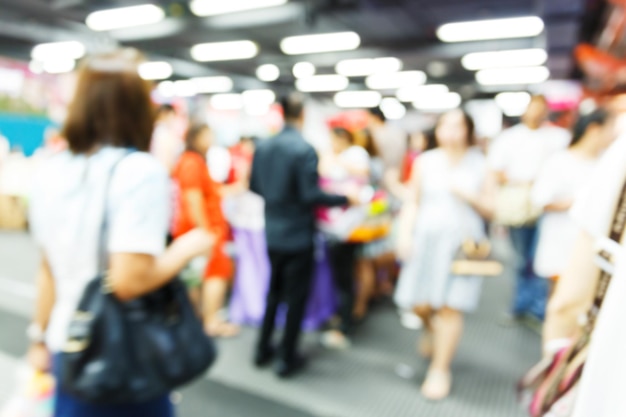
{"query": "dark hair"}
(370, 144)
(111, 105)
(431, 139)
(293, 106)
(166, 109)
(378, 113)
(192, 134)
(598, 117)
(344, 134)
(469, 124)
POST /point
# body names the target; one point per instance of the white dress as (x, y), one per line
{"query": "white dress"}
(443, 223)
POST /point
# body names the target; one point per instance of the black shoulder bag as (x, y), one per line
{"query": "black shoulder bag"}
(132, 352)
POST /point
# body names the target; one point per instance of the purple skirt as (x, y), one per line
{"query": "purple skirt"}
(252, 277)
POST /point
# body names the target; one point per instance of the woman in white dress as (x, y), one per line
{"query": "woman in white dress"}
(558, 185)
(451, 200)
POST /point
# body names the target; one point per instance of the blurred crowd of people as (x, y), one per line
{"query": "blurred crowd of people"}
(428, 199)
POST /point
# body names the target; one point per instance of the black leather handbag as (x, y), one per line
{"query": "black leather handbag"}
(132, 352)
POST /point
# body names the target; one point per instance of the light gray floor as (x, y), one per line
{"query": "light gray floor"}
(362, 382)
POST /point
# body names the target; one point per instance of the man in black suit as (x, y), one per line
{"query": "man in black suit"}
(284, 173)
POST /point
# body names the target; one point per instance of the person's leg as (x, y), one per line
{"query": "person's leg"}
(522, 240)
(298, 276)
(215, 288)
(426, 342)
(448, 329)
(366, 287)
(274, 294)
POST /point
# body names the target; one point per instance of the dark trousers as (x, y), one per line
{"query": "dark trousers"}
(292, 273)
(342, 258)
(531, 291)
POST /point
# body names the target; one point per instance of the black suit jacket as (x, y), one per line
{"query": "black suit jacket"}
(284, 173)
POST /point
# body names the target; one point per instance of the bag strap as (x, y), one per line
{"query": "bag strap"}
(101, 247)
(618, 226)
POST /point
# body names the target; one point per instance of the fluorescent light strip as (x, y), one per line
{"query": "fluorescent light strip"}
(252, 97)
(227, 102)
(185, 88)
(321, 83)
(329, 42)
(206, 85)
(442, 102)
(516, 27)
(157, 70)
(59, 66)
(304, 70)
(268, 73)
(125, 17)
(368, 66)
(219, 7)
(513, 104)
(513, 76)
(56, 50)
(358, 99)
(410, 94)
(504, 59)
(392, 108)
(224, 51)
(396, 80)
(166, 89)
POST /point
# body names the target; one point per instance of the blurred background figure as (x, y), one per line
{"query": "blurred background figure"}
(451, 200)
(167, 145)
(516, 158)
(200, 206)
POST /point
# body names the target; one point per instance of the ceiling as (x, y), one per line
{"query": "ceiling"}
(400, 28)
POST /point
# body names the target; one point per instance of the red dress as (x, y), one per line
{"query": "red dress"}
(191, 173)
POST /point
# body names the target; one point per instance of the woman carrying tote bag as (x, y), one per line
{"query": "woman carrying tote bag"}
(99, 178)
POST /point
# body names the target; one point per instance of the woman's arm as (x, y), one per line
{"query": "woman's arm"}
(195, 205)
(408, 214)
(134, 275)
(38, 355)
(558, 206)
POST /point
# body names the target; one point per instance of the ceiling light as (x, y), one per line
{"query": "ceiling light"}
(395, 80)
(224, 51)
(56, 50)
(516, 27)
(321, 83)
(392, 108)
(268, 73)
(329, 42)
(513, 76)
(358, 99)
(227, 102)
(368, 66)
(258, 102)
(125, 17)
(207, 85)
(513, 104)
(448, 101)
(166, 89)
(410, 94)
(505, 59)
(218, 7)
(185, 88)
(158, 70)
(304, 70)
(59, 66)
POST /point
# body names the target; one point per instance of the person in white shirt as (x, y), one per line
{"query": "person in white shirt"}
(558, 185)
(516, 158)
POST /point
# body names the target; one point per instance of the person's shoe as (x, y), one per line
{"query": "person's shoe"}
(263, 357)
(335, 340)
(437, 386)
(286, 369)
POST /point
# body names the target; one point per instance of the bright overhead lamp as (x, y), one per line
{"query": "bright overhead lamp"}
(514, 103)
(185, 88)
(125, 17)
(157, 70)
(304, 70)
(505, 59)
(444, 102)
(321, 83)
(395, 80)
(258, 102)
(218, 7)
(368, 66)
(207, 85)
(513, 76)
(358, 99)
(410, 94)
(479, 30)
(59, 66)
(328, 42)
(392, 108)
(268, 73)
(56, 50)
(224, 51)
(227, 102)
(166, 89)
